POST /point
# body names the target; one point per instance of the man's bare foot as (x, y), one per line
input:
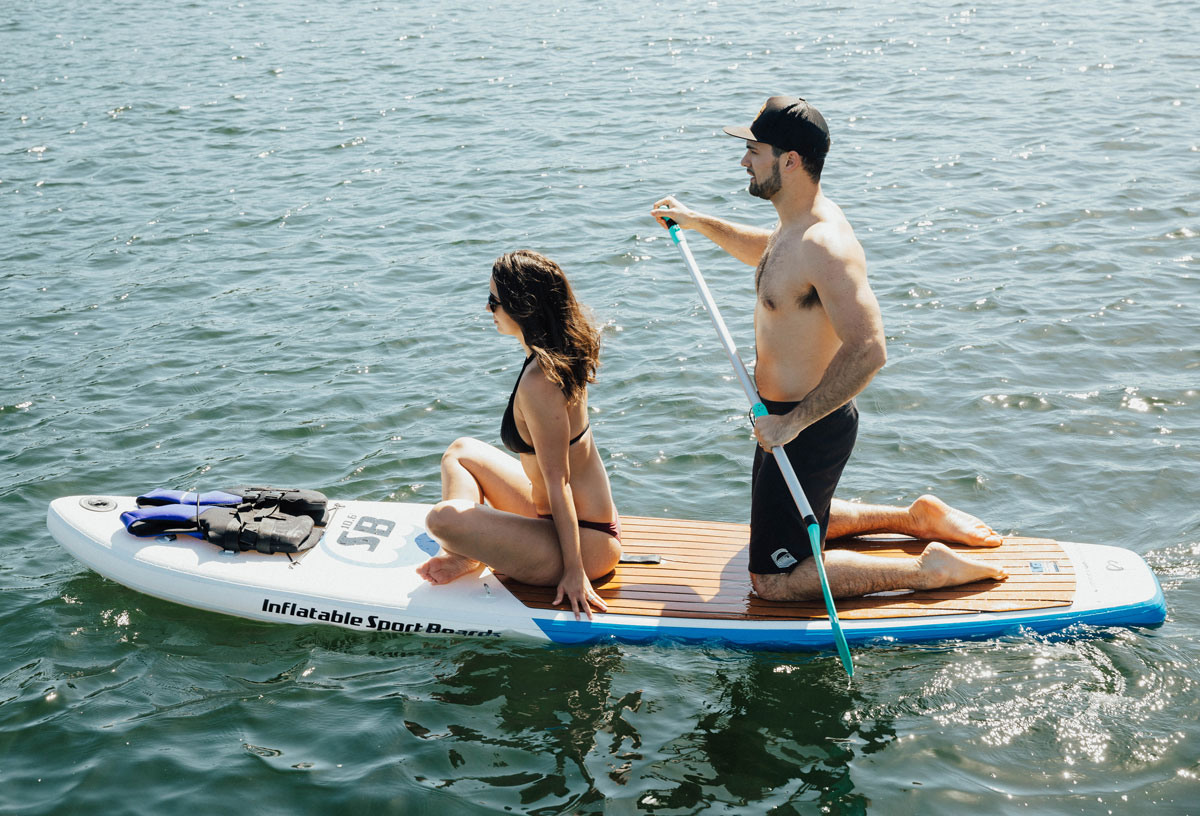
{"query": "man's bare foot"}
(939, 566)
(446, 567)
(937, 520)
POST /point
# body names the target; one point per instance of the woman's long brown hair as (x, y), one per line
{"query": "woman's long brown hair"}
(535, 293)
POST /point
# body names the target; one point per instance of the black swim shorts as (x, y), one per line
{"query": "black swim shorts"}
(778, 535)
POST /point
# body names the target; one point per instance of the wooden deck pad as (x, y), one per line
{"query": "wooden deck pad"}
(704, 574)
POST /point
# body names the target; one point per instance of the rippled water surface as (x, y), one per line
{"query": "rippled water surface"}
(251, 241)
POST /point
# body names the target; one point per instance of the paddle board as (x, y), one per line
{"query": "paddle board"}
(362, 575)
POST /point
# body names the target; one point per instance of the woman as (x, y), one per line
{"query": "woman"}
(549, 518)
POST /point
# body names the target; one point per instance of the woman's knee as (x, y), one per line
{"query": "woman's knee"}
(448, 518)
(460, 449)
(600, 556)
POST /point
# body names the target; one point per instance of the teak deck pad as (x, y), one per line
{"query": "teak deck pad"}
(703, 574)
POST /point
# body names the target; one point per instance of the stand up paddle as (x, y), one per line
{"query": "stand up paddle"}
(757, 409)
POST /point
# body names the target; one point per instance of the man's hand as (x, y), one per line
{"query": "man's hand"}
(674, 210)
(775, 429)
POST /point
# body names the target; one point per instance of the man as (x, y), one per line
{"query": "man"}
(819, 337)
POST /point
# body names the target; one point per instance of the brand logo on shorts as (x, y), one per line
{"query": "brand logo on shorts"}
(782, 558)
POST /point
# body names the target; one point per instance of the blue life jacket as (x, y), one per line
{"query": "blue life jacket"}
(160, 496)
(267, 519)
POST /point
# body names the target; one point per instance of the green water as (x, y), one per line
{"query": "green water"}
(251, 241)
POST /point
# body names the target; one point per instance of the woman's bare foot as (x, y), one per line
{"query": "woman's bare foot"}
(934, 519)
(940, 566)
(446, 567)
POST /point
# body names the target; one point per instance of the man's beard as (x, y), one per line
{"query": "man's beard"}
(768, 188)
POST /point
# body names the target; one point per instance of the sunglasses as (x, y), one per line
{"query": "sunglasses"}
(493, 302)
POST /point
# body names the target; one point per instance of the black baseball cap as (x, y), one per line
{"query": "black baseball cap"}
(789, 123)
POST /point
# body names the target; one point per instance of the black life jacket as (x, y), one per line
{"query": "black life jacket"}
(266, 519)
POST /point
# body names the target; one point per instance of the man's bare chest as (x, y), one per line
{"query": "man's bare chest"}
(782, 287)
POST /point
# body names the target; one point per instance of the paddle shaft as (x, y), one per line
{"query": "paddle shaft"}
(758, 409)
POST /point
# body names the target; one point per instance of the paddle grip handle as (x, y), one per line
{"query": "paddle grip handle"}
(672, 227)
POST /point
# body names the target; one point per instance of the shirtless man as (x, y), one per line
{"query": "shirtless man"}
(819, 337)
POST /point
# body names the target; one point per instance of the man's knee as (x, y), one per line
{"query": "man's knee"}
(769, 587)
(784, 586)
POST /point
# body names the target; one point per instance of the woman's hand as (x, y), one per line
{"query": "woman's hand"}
(578, 590)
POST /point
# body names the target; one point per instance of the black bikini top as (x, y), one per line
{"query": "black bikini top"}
(509, 434)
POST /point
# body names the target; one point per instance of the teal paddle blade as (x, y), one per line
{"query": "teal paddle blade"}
(814, 539)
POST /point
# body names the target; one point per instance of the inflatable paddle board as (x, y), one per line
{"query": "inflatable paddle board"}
(362, 575)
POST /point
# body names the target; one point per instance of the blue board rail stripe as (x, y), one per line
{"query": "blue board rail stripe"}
(1151, 612)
